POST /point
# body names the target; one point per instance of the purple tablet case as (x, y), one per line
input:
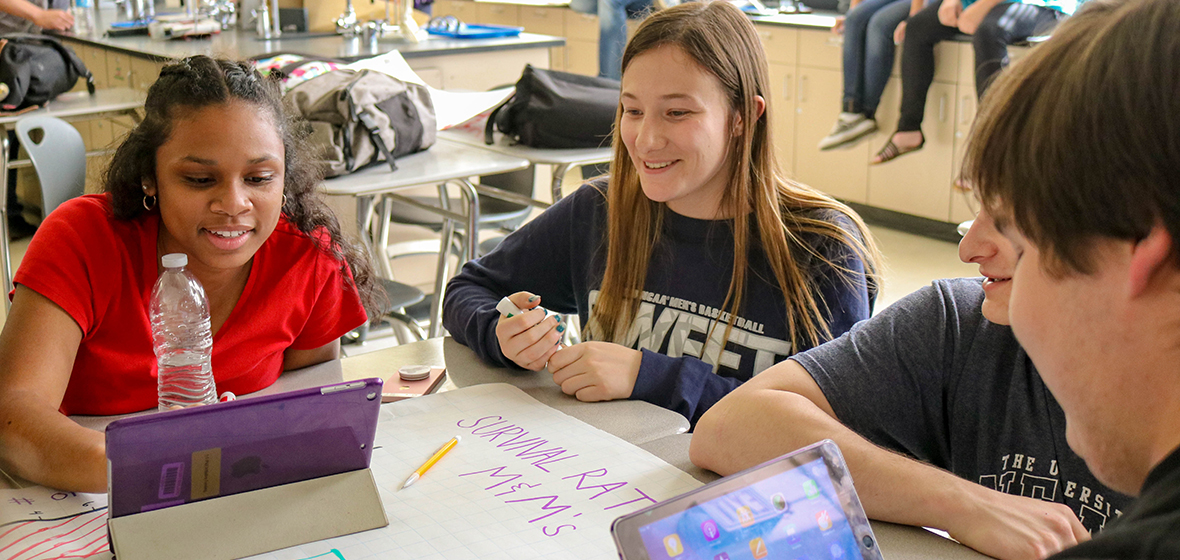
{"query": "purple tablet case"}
(176, 457)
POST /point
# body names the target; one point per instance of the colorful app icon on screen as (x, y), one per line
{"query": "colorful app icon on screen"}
(792, 537)
(780, 503)
(810, 488)
(709, 529)
(745, 516)
(722, 556)
(672, 545)
(823, 519)
(758, 548)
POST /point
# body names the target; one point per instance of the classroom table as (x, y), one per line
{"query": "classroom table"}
(654, 429)
(561, 160)
(71, 106)
(445, 163)
(660, 435)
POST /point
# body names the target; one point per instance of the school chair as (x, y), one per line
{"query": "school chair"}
(59, 157)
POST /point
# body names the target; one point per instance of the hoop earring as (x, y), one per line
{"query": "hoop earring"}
(148, 206)
(284, 200)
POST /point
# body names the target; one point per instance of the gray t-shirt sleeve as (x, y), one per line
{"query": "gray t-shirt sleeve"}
(889, 377)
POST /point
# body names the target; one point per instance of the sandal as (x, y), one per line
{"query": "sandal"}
(891, 152)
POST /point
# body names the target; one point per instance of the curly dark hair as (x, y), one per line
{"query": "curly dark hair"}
(200, 81)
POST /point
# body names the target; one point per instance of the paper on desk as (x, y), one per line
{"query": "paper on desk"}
(526, 481)
(451, 108)
(40, 523)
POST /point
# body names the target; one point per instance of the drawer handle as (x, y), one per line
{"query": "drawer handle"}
(942, 108)
(766, 36)
(963, 110)
(803, 89)
(787, 87)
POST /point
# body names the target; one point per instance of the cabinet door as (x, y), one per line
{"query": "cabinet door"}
(462, 9)
(917, 183)
(842, 173)
(820, 48)
(95, 60)
(543, 20)
(118, 70)
(783, 82)
(144, 72)
(498, 14)
(781, 43)
(581, 27)
(963, 204)
(582, 57)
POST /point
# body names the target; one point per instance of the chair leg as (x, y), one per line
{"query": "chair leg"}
(409, 323)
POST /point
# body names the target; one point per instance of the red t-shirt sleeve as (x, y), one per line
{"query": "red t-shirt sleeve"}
(62, 262)
(337, 308)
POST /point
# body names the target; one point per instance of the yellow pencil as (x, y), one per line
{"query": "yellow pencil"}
(430, 463)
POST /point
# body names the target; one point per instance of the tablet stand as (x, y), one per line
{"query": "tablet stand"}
(253, 522)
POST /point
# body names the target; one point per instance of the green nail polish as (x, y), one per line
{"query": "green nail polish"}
(509, 316)
(534, 298)
(560, 328)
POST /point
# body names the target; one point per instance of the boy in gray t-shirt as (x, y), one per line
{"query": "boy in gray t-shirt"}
(934, 383)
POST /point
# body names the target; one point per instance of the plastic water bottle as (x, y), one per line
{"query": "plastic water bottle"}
(181, 337)
(84, 20)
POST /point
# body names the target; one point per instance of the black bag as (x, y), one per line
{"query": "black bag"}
(36, 69)
(552, 109)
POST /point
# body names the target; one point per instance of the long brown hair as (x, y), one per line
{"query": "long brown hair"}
(1081, 138)
(723, 42)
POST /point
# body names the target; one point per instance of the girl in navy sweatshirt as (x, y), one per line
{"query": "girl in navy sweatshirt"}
(696, 265)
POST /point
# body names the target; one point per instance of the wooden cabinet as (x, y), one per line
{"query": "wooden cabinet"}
(963, 205)
(917, 183)
(842, 173)
(781, 99)
(820, 48)
(497, 14)
(546, 20)
(462, 9)
(144, 72)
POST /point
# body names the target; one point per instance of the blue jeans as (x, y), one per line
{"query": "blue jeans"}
(868, 52)
(612, 31)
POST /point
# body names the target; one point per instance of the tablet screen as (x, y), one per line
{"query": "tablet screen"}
(794, 514)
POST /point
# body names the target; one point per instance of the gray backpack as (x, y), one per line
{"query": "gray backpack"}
(359, 118)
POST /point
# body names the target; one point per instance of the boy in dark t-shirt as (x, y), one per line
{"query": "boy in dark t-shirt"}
(934, 383)
(1076, 153)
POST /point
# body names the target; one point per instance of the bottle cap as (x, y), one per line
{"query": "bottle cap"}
(413, 373)
(175, 260)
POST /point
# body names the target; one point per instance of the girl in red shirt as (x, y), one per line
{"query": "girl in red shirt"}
(216, 170)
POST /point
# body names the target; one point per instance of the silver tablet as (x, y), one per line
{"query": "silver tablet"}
(800, 505)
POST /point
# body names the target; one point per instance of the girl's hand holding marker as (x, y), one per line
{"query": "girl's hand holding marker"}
(590, 371)
(528, 333)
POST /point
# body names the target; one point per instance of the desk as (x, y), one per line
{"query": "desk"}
(654, 429)
(897, 542)
(73, 106)
(561, 160)
(444, 163)
(636, 422)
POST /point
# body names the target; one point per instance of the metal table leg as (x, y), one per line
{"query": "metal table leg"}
(559, 171)
(7, 265)
(470, 250)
